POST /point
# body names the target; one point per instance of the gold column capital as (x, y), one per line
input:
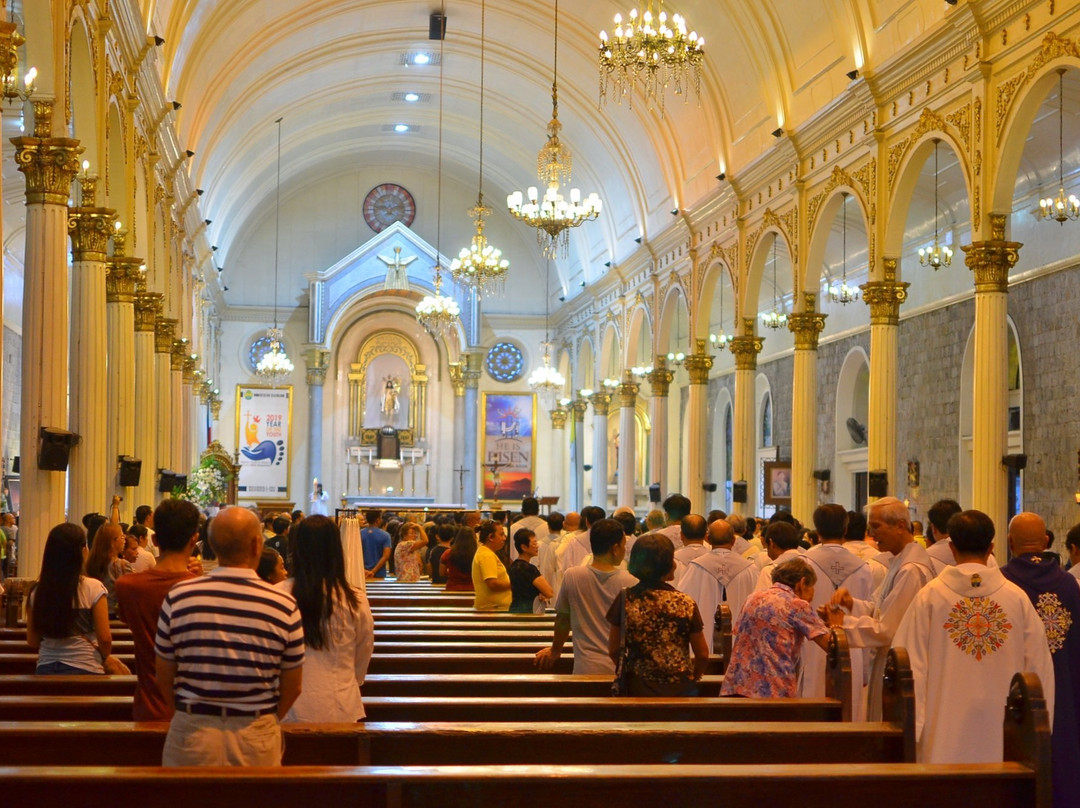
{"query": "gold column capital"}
(578, 406)
(49, 164)
(148, 306)
(991, 261)
(187, 368)
(179, 353)
(699, 363)
(122, 279)
(660, 378)
(884, 299)
(215, 408)
(806, 326)
(318, 362)
(745, 348)
(627, 392)
(558, 418)
(457, 378)
(474, 365)
(90, 228)
(164, 332)
(601, 403)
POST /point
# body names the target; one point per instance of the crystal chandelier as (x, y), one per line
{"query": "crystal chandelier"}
(480, 267)
(776, 318)
(936, 255)
(545, 380)
(9, 73)
(437, 313)
(647, 51)
(553, 215)
(844, 293)
(722, 338)
(1062, 208)
(275, 365)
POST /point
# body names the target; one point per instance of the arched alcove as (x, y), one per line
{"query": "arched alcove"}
(764, 444)
(851, 413)
(720, 463)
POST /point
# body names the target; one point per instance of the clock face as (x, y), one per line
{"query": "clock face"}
(386, 204)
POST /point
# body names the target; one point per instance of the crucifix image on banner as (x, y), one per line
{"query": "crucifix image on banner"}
(509, 445)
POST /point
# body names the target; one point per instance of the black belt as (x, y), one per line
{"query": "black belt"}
(223, 712)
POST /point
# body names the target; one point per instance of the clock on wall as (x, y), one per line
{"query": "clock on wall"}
(386, 204)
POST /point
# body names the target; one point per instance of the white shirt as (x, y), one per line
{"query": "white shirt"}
(941, 555)
(574, 552)
(721, 575)
(586, 595)
(1075, 571)
(683, 556)
(962, 675)
(870, 555)
(144, 561)
(318, 504)
(537, 524)
(765, 580)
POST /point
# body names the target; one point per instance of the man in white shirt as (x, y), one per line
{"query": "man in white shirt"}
(676, 508)
(693, 529)
(584, 599)
(940, 552)
(781, 544)
(741, 545)
(531, 519)
(855, 541)
(967, 633)
(144, 560)
(719, 576)
(872, 624)
(578, 547)
(835, 566)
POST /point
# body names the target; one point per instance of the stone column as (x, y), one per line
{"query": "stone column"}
(470, 450)
(556, 455)
(746, 349)
(457, 379)
(148, 307)
(90, 228)
(167, 403)
(698, 365)
(318, 360)
(806, 326)
(48, 164)
(189, 379)
(991, 261)
(627, 393)
(577, 454)
(660, 383)
(884, 299)
(601, 404)
(123, 276)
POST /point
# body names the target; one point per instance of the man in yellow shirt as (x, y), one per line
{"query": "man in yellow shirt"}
(490, 579)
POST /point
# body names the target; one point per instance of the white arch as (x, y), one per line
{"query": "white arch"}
(852, 401)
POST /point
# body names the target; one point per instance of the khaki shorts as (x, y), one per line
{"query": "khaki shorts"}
(207, 740)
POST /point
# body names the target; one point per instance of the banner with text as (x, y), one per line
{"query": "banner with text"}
(264, 433)
(509, 445)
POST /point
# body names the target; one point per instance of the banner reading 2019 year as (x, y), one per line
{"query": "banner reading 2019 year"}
(264, 435)
(509, 445)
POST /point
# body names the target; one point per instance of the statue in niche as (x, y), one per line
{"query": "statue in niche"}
(391, 391)
(397, 276)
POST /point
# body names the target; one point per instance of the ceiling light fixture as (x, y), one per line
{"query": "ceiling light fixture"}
(936, 255)
(274, 365)
(1062, 208)
(844, 293)
(777, 318)
(722, 338)
(401, 127)
(545, 380)
(412, 97)
(10, 87)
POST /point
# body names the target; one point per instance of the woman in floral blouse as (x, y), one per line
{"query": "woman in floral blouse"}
(408, 565)
(769, 634)
(662, 626)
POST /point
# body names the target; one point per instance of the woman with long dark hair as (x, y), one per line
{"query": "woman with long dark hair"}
(105, 562)
(456, 563)
(67, 619)
(338, 629)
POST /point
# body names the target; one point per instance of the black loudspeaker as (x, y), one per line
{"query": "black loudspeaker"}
(586, 467)
(822, 474)
(654, 492)
(130, 471)
(54, 447)
(738, 491)
(877, 484)
(181, 482)
(15, 465)
(167, 481)
(436, 26)
(710, 487)
(1015, 461)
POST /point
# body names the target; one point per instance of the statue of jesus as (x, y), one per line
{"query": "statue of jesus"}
(390, 404)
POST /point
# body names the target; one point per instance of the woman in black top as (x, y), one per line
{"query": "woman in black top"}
(526, 582)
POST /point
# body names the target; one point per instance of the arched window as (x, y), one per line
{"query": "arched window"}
(766, 421)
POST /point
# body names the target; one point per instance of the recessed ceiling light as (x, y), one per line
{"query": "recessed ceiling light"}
(421, 59)
(401, 127)
(412, 97)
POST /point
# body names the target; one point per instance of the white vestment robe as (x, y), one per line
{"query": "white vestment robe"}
(765, 580)
(967, 633)
(941, 556)
(718, 576)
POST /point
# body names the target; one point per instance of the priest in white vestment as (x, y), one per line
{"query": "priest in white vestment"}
(781, 544)
(719, 576)
(872, 624)
(967, 633)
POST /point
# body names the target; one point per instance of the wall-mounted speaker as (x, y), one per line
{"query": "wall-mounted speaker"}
(54, 448)
(738, 491)
(130, 471)
(167, 481)
(436, 26)
(654, 492)
(710, 487)
(1014, 461)
(878, 483)
(822, 475)
(15, 465)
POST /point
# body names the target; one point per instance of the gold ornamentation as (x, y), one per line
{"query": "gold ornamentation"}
(90, 228)
(806, 326)
(991, 262)
(474, 363)
(49, 164)
(746, 348)
(318, 362)
(628, 392)
(179, 354)
(601, 403)
(699, 363)
(929, 121)
(890, 265)
(215, 408)
(660, 378)
(188, 370)
(960, 120)
(164, 332)
(121, 277)
(1053, 47)
(148, 306)
(578, 406)
(884, 299)
(558, 418)
(457, 378)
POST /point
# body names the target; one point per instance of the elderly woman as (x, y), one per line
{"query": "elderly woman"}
(769, 635)
(654, 627)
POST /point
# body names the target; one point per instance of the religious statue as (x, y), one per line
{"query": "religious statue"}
(396, 275)
(391, 389)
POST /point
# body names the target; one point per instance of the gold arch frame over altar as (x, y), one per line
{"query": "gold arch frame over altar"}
(396, 344)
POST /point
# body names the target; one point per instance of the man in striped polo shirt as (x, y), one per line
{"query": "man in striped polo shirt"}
(229, 653)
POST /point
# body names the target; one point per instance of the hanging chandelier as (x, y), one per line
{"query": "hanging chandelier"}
(438, 313)
(776, 318)
(936, 255)
(545, 380)
(1062, 208)
(10, 87)
(553, 215)
(274, 365)
(844, 293)
(480, 267)
(721, 338)
(646, 51)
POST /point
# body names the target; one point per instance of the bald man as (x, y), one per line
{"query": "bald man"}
(1055, 594)
(229, 653)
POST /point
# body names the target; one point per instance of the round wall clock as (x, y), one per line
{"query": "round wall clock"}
(386, 204)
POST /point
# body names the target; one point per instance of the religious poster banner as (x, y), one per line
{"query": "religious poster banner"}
(509, 445)
(264, 434)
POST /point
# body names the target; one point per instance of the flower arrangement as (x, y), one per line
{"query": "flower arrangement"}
(206, 484)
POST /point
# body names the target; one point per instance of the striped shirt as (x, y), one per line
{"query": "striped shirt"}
(231, 634)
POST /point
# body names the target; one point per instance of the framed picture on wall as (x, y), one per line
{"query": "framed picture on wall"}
(264, 432)
(778, 483)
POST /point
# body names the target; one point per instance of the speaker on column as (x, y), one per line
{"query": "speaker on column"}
(167, 481)
(15, 465)
(130, 471)
(1014, 461)
(710, 487)
(54, 448)
(877, 483)
(654, 491)
(822, 475)
(738, 491)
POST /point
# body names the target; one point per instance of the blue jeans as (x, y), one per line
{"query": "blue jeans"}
(60, 669)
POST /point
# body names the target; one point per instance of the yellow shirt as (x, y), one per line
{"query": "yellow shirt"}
(488, 565)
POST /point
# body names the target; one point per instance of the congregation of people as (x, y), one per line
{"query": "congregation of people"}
(242, 621)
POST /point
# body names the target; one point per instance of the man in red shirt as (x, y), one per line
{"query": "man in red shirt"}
(139, 595)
